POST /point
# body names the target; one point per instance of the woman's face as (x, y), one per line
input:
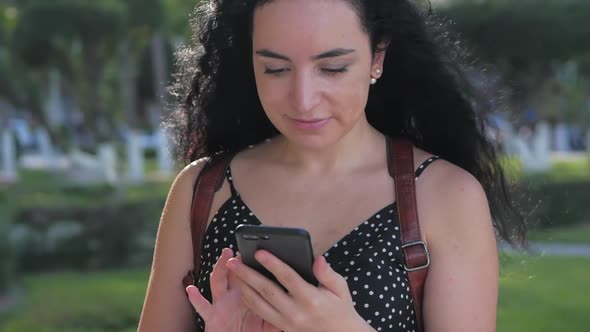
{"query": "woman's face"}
(313, 64)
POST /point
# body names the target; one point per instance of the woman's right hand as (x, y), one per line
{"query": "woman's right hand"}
(227, 313)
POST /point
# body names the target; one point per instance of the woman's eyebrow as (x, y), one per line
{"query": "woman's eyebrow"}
(328, 54)
(332, 53)
(270, 54)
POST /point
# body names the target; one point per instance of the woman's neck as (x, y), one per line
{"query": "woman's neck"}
(351, 151)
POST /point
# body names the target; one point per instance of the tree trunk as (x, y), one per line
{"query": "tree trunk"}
(160, 71)
(95, 113)
(129, 84)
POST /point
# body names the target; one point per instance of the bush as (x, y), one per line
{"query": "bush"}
(85, 237)
(50, 224)
(6, 260)
(554, 204)
(553, 198)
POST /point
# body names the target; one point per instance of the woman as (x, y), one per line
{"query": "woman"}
(306, 92)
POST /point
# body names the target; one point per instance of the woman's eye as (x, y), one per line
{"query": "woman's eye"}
(274, 71)
(335, 70)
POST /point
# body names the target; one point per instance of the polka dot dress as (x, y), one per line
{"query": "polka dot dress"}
(369, 258)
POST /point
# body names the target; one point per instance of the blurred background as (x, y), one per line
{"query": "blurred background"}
(85, 166)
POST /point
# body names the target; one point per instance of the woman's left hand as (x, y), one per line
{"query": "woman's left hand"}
(305, 307)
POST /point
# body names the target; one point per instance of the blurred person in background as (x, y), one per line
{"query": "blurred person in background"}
(305, 93)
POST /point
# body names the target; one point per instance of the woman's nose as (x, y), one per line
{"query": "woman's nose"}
(305, 93)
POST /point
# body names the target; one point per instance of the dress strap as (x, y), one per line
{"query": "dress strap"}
(425, 164)
(230, 179)
(208, 182)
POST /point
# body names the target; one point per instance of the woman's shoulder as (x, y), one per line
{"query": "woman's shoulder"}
(454, 201)
(444, 175)
(190, 172)
(182, 186)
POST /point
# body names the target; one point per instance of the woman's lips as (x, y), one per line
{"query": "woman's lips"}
(314, 124)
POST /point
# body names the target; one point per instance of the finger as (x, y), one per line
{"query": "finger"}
(265, 288)
(232, 278)
(288, 277)
(330, 279)
(201, 305)
(218, 280)
(259, 306)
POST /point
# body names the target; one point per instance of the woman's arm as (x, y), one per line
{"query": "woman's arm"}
(166, 307)
(461, 289)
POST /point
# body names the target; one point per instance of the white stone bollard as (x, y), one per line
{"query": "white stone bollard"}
(8, 156)
(165, 161)
(135, 172)
(108, 160)
(542, 146)
(523, 152)
(561, 137)
(534, 150)
(45, 148)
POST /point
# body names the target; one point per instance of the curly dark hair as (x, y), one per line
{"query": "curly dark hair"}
(426, 95)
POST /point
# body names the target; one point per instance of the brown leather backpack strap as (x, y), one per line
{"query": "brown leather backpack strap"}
(207, 184)
(400, 156)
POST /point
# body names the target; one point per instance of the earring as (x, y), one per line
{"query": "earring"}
(378, 73)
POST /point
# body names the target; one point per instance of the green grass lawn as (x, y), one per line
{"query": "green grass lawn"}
(544, 294)
(579, 234)
(537, 294)
(75, 302)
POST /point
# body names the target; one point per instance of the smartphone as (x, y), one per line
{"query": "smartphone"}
(290, 245)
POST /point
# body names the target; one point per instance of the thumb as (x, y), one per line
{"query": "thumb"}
(201, 305)
(330, 279)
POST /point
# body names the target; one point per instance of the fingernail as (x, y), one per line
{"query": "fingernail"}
(232, 263)
(188, 289)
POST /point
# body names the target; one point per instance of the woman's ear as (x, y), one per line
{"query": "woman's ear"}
(379, 57)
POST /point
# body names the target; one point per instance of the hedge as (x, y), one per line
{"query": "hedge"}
(90, 237)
